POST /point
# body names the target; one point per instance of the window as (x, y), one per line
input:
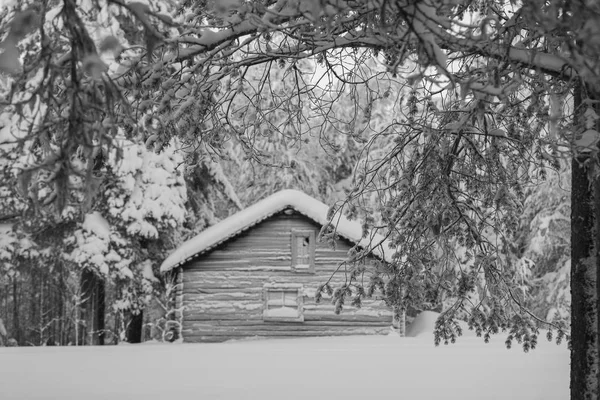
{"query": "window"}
(283, 302)
(303, 251)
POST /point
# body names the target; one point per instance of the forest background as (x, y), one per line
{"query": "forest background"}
(128, 127)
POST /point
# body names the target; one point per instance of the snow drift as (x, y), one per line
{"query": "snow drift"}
(358, 367)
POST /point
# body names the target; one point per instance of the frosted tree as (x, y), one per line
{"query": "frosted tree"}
(542, 247)
(511, 85)
(112, 250)
(140, 211)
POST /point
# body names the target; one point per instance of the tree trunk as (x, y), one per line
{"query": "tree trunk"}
(134, 327)
(62, 307)
(33, 303)
(583, 287)
(93, 294)
(16, 334)
(41, 323)
(585, 196)
(399, 321)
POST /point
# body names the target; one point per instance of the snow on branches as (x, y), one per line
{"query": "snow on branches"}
(149, 193)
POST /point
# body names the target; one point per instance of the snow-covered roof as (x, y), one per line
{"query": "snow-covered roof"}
(300, 202)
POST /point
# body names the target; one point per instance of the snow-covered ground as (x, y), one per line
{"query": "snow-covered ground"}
(359, 367)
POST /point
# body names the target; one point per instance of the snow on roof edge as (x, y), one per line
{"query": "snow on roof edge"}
(252, 215)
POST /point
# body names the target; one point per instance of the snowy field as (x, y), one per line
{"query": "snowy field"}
(360, 367)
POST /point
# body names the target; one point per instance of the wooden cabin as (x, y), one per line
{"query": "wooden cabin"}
(255, 274)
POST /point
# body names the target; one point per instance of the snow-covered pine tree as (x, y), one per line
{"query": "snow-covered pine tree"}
(140, 210)
(543, 247)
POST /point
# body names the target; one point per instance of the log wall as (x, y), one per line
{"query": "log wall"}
(223, 289)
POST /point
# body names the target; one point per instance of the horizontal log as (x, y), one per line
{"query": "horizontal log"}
(216, 309)
(325, 268)
(276, 330)
(228, 278)
(221, 294)
(277, 253)
(204, 339)
(220, 282)
(187, 318)
(262, 267)
(192, 315)
(255, 265)
(328, 263)
(258, 324)
(198, 295)
(203, 288)
(221, 339)
(228, 284)
(249, 333)
(229, 262)
(199, 288)
(266, 245)
(326, 315)
(216, 314)
(255, 295)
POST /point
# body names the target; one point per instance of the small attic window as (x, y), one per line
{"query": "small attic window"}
(303, 251)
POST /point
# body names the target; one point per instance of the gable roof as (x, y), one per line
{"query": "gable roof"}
(248, 217)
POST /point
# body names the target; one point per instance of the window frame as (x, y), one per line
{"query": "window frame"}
(282, 288)
(303, 233)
